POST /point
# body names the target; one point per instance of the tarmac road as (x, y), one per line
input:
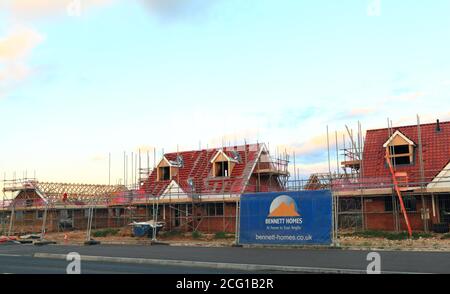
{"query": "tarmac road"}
(30, 265)
(391, 261)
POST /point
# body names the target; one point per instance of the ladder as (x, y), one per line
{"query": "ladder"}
(397, 190)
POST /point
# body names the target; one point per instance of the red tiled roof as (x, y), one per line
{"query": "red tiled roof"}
(197, 166)
(435, 146)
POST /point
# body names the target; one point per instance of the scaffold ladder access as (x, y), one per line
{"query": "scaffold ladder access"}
(399, 194)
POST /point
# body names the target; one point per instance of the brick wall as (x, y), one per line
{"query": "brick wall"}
(376, 218)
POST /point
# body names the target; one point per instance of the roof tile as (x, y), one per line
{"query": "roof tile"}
(435, 147)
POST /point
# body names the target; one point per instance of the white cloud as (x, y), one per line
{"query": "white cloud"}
(34, 9)
(18, 44)
(14, 50)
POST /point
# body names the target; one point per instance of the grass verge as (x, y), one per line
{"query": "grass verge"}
(222, 235)
(196, 235)
(105, 233)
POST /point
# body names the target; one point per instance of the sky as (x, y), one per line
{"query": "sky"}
(82, 79)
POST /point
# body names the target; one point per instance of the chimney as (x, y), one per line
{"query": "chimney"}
(438, 126)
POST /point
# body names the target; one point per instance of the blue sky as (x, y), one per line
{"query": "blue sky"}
(126, 75)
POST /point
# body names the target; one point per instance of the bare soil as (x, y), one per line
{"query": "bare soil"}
(124, 237)
(434, 243)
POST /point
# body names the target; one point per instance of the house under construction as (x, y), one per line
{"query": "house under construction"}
(188, 191)
(396, 178)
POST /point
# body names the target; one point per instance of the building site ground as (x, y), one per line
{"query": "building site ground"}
(364, 240)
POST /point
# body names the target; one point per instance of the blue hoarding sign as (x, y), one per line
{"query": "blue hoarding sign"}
(291, 218)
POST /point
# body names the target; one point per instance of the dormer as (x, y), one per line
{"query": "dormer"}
(400, 149)
(167, 169)
(222, 164)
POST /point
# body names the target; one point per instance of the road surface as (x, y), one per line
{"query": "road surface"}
(10, 264)
(21, 257)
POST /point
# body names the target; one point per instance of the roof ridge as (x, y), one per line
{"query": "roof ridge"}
(409, 126)
(224, 148)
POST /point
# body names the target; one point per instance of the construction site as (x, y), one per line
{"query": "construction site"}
(187, 191)
(391, 179)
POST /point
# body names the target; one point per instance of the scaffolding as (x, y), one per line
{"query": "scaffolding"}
(195, 202)
(185, 206)
(29, 193)
(191, 214)
(350, 186)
